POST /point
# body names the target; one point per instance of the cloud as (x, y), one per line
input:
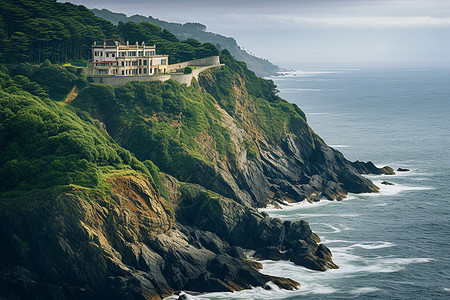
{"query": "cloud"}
(361, 22)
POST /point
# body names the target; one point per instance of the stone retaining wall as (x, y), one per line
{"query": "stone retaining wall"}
(118, 80)
(207, 61)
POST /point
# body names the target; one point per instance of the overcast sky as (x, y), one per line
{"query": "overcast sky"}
(292, 33)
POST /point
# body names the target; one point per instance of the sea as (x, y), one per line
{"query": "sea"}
(394, 244)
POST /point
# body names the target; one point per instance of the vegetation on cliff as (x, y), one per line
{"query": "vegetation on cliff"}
(273, 114)
(45, 144)
(159, 121)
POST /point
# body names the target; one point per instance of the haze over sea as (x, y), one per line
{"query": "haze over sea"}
(394, 244)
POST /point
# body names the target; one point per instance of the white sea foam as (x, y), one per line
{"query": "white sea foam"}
(326, 241)
(388, 190)
(295, 206)
(339, 146)
(372, 245)
(398, 188)
(364, 290)
(382, 204)
(334, 229)
(309, 215)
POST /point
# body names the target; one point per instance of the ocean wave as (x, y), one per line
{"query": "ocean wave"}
(352, 265)
(327, 241)
(372, 245)
(398, 188)
(333, 228)
(260, 293)
(388, 190)
(363, 290)
(295, 206)
(382, 204)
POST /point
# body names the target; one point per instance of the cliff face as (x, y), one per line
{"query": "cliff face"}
(295, 165)
(126, 245)
(231, 134)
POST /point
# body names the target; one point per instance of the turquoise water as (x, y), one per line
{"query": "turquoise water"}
(394, 244)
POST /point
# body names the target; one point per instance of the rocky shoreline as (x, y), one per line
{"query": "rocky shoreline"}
(136, 246)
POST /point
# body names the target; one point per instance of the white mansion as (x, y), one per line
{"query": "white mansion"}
(112, 58)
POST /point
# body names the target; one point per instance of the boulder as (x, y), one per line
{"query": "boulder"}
(270, 252)
(369, 168)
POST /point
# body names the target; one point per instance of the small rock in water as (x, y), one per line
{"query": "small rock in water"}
(182, 297)
(387, 183)
(403, 170)
(267, 287)
(387, 170)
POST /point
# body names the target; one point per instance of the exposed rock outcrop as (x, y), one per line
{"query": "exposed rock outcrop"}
(245, 227)
(369, 168)
(126, 247)
(295, 166)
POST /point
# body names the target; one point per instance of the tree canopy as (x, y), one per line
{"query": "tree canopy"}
(36, 30)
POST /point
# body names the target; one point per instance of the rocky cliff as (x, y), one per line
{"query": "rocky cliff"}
(289, 166)
(128, 245)
(83, 218)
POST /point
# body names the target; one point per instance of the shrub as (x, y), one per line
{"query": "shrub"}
(188, 70)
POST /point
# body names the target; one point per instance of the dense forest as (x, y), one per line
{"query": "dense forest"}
(36, 30)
